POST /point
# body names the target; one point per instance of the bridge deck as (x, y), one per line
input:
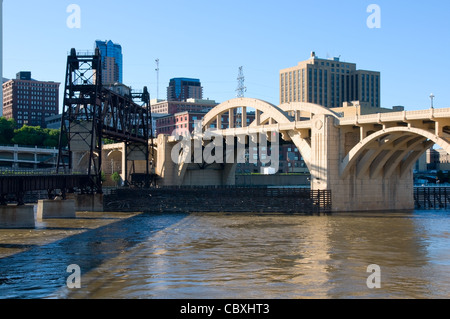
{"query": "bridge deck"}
(17, 185)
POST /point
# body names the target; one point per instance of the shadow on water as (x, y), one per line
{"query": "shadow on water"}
(41, 270)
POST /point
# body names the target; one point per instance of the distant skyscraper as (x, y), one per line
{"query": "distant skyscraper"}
(112, 61)
(181, 89)
(28, 101)
(329, 83)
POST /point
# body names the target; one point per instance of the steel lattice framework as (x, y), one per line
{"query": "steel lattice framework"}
(93, 112)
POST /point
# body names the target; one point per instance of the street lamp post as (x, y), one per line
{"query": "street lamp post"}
(432, 98)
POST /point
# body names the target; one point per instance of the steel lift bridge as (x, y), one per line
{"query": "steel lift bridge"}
(93, 112)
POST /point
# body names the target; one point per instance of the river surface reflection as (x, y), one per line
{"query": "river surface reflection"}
(242, 256)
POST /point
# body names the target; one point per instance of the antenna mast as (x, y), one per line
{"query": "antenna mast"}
(241, 89)
(157, 78)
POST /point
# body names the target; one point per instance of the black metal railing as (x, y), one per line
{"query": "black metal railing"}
(432, 197)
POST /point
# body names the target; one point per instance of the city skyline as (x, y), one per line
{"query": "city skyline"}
(271, 37)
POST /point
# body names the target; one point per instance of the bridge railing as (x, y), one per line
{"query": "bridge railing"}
(396, 116)
(432, 197)
(28, 146)
(37, 172)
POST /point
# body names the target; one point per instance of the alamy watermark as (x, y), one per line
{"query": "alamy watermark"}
(374, 280)
(74, 19)
(374, 19)
(74, 279)
(211, 147)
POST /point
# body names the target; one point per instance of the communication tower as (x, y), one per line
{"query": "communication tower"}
(241, 89)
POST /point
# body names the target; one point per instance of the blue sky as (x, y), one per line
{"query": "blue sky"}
(210, 40)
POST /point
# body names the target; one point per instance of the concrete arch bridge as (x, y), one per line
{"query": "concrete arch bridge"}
(365, 160)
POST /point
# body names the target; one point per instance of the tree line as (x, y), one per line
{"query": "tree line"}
(27, 135)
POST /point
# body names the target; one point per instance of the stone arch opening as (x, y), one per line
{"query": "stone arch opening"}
(383, 153)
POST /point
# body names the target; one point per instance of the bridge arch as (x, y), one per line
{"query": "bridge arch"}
(383, 152)
(308, 108)
(113, 161)
(82, 161)
(115, 153)
(268, 113)
(267, 109)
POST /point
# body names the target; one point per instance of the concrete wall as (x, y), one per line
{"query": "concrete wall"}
(273, 180)
(87, 202)
(353, 194)
(205, 177)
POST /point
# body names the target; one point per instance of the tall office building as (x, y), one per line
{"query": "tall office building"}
(29, 101)
(330, 83)
(112, 61)
(181, 89)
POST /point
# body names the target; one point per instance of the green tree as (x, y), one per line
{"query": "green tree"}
(107, 141)
(6, 130)
(29, 135)
(115, 177)
(37, 136)
(51, 138)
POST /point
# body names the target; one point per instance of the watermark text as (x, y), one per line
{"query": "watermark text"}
(374, 19)
(74, 280)
(74, 19)
(374, 280)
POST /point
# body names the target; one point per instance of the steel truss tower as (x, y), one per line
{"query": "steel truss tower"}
(241, 89)
(92, 112)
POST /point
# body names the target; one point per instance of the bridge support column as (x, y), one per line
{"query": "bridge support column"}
(352, 193)
(234, 155)
(56, 209)
(366, 194)
(88, 202)
(165, 167)
(192, 174)
(324, 154)
(229, 174)
(15, 217)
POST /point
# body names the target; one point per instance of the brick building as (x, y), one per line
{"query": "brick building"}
(29, 101)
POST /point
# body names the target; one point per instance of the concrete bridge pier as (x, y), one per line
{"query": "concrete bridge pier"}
(353, 192)
(86, 202)
(17, 217)
(48, 209)
(165, 167)
(195, 172)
